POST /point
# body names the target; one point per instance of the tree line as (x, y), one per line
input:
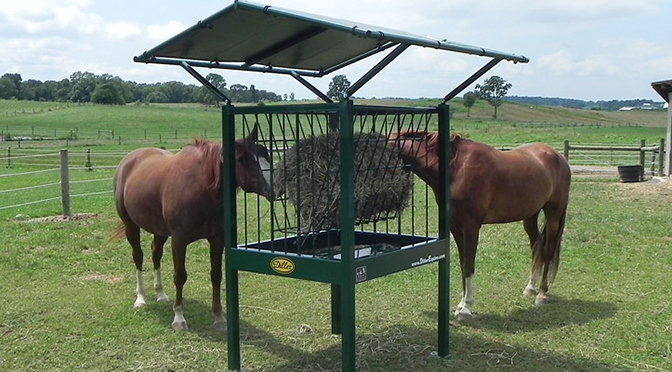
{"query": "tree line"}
(112, 90)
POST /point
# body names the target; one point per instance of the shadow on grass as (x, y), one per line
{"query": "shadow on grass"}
(404, 349)
(556, 314)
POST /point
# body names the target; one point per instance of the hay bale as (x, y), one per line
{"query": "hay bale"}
(309, 175)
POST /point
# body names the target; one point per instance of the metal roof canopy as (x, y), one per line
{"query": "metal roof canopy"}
(664, 88)
(246, 36)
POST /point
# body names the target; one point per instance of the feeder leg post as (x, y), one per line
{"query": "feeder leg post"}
(335, 309)
(233, 320)
(444, 230)
(348, 346)
(347, 219)
(230, 238)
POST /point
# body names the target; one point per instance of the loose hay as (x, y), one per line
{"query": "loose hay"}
(309, 175)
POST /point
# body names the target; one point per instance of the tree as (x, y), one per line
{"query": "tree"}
(205, 95)
(493, 90)
(338, 87)
(469, 99)
(107, 94)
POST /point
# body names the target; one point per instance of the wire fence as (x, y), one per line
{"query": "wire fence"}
(34, 181)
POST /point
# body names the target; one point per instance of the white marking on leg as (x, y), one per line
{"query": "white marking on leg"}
(463, 311)
(158, 287)
(530, 287)
(139, 290)
(179, 323)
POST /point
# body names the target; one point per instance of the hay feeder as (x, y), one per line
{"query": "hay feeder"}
(354, 217)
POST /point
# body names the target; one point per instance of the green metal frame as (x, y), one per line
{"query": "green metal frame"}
(342, 274)
(251, 37)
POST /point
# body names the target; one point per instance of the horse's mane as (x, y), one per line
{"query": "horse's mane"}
(211, 165)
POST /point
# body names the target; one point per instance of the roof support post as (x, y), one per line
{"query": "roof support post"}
(376, 69)
(471, 80)
(205, 82)
(668, 140)
(311, 87)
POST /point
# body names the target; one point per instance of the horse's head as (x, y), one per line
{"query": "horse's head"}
(253, 166)
(417, 148)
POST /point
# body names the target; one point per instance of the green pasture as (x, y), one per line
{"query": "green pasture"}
(98, 127)
(68, 295)
(69, 290)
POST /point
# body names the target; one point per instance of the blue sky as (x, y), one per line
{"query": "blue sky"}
(591, 50)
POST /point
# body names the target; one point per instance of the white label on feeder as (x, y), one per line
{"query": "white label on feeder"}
(359, 253)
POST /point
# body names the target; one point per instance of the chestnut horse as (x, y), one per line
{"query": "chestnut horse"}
(180, 196)
(489, 186)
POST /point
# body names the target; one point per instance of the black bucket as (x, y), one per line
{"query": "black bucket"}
(631, 173)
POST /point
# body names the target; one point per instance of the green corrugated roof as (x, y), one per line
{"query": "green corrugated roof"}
(249, 36)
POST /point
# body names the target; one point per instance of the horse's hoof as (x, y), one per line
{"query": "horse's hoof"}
(162, 298)
(219, 326)
(462, 316)
(139, 304)
(529, 292)
(539, 301)
(180, 327)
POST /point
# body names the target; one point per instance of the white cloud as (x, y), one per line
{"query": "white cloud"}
(163, 32)
(564, 63)
(122, 31)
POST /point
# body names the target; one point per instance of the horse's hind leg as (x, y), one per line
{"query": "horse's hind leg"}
(216, 249)
(133, 236)
(532, 229)
(157, 254)
(552, 235)
(179, 250)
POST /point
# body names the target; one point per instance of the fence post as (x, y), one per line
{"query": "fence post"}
(661, 157)
(9, 157)
(65, 183)
(88, 164)
(642, 153)
(566, 150)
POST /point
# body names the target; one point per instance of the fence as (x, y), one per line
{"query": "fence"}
(44, 176)
(33, 178)
(618, 155)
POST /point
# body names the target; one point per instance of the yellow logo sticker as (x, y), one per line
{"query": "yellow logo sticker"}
(282, 265)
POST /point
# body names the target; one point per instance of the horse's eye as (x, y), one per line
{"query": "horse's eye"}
(240, 159)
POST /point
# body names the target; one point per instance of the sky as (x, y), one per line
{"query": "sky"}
(588, 50)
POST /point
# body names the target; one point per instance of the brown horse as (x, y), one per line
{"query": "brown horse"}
(488, 186)
(180, 196)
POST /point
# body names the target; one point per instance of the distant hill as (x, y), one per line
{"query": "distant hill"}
(612, 105)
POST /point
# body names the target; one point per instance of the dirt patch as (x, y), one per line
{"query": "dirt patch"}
(61, 218)
(656, 186)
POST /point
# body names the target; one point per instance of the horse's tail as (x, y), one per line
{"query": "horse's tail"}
(118, 232)
(549, 259)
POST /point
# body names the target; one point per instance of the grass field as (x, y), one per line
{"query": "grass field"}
(68, 289)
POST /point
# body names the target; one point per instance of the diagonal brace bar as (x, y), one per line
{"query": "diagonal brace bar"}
(471, 80)
(376, 69)
(311, 87)
(205, 82)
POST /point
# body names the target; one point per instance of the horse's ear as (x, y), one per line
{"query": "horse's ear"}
(253, 134)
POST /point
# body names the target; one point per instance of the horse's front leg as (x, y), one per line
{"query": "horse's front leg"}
(157, 254)
(467, 242)
(216, 249)
(180, 278)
